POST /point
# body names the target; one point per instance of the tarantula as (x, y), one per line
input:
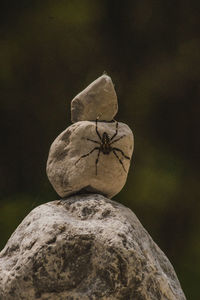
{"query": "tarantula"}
(105, 146)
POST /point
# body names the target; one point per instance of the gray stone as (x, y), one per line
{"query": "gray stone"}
(98, 99)
(69, 176)
(86, 247)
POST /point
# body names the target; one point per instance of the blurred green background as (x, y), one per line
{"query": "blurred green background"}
(50, 51)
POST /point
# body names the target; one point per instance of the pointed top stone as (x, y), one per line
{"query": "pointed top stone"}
(99, 99)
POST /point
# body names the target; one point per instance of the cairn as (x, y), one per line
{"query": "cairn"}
(86, 246)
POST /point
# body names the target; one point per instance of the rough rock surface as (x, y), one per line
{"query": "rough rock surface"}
(98, 99)
(68, 175)
(85, 247)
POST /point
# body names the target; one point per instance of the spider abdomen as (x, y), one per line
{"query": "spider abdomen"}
(106, 151)
(105, 148)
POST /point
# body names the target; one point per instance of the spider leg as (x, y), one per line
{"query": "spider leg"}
(118, 139)
(93, 141)
(97, 160)
(87, 154)
(117, 149)
(119, 159)
(97, 129)
(116, 131)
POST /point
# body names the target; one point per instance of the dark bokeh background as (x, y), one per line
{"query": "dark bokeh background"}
(50, 51)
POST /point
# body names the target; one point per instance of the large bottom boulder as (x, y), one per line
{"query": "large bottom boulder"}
(85, 247)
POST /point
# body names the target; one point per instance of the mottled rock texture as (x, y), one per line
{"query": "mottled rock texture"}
(68, 175)
(85, 247)
(98, 99)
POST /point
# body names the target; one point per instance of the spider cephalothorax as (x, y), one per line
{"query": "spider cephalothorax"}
(105, 146)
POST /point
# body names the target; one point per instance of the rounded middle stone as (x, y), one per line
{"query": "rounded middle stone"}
(92, 157)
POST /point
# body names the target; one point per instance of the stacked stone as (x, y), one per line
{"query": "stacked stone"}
(76, 161)
(87, 247)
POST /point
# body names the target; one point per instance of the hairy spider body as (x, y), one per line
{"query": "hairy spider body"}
(105, 146)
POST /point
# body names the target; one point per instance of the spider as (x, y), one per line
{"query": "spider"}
(105, 146)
